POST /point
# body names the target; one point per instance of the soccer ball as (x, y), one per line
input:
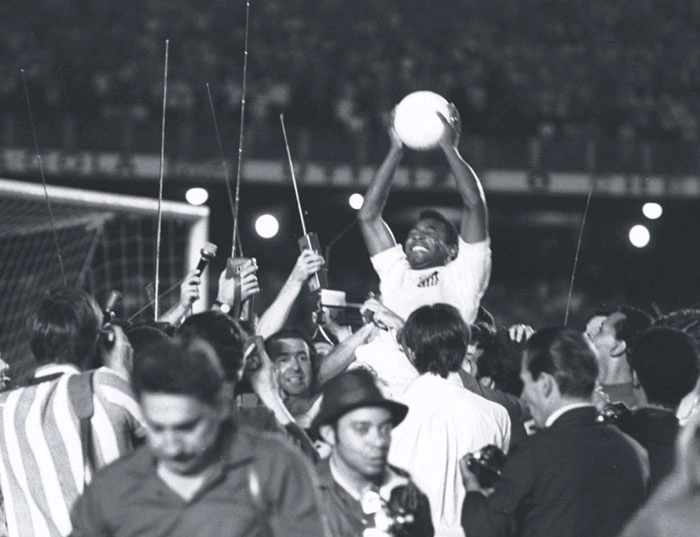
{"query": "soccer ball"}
(416, 121)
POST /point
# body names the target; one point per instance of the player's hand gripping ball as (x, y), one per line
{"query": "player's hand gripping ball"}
(416, 121)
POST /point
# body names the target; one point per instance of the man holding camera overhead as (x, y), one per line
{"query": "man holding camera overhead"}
(576, 476)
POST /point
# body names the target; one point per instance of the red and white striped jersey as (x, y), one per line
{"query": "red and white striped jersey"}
(42, 466)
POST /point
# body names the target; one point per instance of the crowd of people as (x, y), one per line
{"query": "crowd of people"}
(629, 70)
(427, 419)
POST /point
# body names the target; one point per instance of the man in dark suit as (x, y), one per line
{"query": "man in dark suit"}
(576, 476)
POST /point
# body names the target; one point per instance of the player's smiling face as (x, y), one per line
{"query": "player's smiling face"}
(425, 245)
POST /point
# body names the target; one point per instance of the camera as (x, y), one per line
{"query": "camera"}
(613, 412)
(486, 464)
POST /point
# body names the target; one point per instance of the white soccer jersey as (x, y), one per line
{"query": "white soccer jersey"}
(461, 283)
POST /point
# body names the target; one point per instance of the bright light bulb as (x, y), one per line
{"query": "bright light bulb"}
(267, 226)
(356, 200)
(196, 196)
(639, 236)
(652, 210)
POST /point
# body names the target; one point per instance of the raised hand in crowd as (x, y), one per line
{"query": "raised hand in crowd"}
(226, 294)
(274, 317)
(308, 263)
(189, 294)
(520, 333)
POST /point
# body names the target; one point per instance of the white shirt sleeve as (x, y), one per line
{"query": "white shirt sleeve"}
(470, 273)
(391, 266)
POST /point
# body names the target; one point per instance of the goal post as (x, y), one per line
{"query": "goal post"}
(107, 242)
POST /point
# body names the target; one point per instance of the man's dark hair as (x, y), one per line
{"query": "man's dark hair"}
(179, 367)
(142, 335)
(438, 337)
(501, 362)
(451, 232)
(686, 319)
(666, 363)
(565, 354)
(63, 327)
(223, 333)
(294, 333)
(635, 323)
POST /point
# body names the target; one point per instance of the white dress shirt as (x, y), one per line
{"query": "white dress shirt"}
(445, 421)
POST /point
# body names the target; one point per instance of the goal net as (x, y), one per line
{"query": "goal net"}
(106, 242)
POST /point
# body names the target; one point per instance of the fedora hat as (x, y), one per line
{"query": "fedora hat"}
(350, 390)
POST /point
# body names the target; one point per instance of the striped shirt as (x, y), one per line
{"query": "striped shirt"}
(42, 471)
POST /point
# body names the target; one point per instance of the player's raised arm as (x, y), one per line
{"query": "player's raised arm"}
(378, 237)
(474, 225)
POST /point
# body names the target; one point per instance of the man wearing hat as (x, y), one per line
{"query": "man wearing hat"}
(361, 493)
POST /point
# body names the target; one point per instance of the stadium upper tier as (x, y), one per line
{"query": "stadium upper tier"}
(623, 70)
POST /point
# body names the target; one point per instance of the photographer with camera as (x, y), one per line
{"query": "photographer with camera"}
(67, 421)
(362, 493)
(576, 476)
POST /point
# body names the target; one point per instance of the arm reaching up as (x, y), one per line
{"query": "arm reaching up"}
(189, 294)
(342, 355)
(474, 225)
(226, 292)
(276, 315)
(376, 232)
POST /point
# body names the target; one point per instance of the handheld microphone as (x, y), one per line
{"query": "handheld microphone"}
(207, 253)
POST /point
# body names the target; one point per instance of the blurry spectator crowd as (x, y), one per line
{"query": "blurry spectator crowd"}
(623, 68)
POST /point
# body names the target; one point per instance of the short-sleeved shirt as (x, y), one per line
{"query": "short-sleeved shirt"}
(462, 282)
(261, 487)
